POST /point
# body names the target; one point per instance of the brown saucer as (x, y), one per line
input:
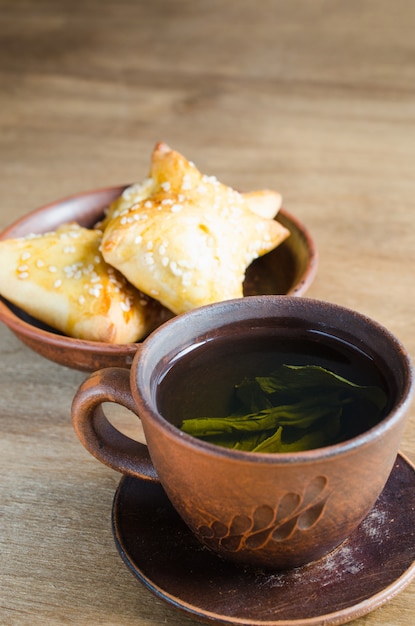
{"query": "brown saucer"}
(366, 571)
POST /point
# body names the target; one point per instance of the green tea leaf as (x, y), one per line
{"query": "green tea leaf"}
(315, 377)
(295, 408)
(273, 443)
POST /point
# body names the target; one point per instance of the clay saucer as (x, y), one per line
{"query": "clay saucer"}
(368, 569)
(288, 270)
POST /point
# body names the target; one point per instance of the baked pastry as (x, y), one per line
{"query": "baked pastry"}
(265, 203)
(131, 195)
(61, 279)
(187, 239)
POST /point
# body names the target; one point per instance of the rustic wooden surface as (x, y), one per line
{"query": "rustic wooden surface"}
(315, 99)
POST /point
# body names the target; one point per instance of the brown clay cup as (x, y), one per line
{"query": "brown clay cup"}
(264, 510)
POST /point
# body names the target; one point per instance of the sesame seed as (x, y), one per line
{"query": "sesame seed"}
(187, 279)
(132, 189)
(113, 279)
(22, 268)
(176, 208)
(167, 201)
(81, 299)
(23, 275)
(186, 183)
(177, 271)
(210, 179)
(129, 191)
(94, 291)
(148, 204)
(187, 263)
(69, 249)
(125, 306)
(52, 269)
(57, 283)
(165, 186)
(40, 263)
(25, 256)
(74, 270)
(138, 239)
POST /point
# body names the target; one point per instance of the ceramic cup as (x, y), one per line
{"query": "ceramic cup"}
(270, 510)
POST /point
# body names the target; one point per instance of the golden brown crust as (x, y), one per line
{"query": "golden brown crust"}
(189, 240)
(130, 196)
(62, 279)
(176, 241)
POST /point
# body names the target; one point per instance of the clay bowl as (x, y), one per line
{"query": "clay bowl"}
(288, 270)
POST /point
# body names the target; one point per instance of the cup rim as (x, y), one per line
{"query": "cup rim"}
(343, 448)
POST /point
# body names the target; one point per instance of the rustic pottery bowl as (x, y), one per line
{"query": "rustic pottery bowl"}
(288, 270)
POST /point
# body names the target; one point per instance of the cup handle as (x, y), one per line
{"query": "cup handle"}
(98, 435)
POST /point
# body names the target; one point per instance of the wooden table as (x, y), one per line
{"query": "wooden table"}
(315, 99)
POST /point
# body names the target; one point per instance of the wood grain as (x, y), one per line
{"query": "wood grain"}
(316, 100)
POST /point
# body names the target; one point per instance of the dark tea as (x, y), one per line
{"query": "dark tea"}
(274, 390)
